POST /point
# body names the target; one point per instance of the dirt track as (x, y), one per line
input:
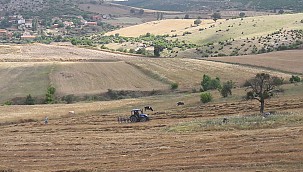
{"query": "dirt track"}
(98, 142)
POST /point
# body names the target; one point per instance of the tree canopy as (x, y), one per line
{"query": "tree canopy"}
(261, 87)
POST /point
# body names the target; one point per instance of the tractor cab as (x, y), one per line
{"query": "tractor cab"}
(137, 115)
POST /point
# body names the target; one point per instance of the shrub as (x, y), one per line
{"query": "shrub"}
(29, 100)
(50, 95)
(294, 79)
(174, 86)
(226, 88)
(69, 98)
(8, 103)
(210, 84)
(197, 22)
(277, 80)
(205, 97)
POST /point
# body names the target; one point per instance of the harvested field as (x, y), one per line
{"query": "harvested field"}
(56, 52)
(169, 26)
(290, 61)
(189, 72)
(94, 141)
(21, 79)
(92, 78)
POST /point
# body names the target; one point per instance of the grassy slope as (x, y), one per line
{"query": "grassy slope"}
(263, 25)
(92, 78)
(189, 72)
(21, 79)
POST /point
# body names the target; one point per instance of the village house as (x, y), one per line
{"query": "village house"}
(28, 23)
(67, 23)
(21, 21)
(5, 34)
(28, 37)
(91, 23)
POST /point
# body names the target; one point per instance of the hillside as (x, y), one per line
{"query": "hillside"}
(194, 5)
(79, 72)
(225, 37)
(290, 61)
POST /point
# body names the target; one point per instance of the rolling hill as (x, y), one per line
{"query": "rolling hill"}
(81, 72)
(225, 37)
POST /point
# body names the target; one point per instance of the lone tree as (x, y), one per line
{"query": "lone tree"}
(197, 22)
(242, 14)
(216, 16)
(261, 87)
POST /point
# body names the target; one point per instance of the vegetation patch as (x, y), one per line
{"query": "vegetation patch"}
(248, 122)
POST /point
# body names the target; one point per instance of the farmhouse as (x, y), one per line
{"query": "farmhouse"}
(91, 23)
(5, 34)
(28, 37)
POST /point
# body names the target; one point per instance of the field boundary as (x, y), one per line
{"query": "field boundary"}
(151, 74)
(255, 66)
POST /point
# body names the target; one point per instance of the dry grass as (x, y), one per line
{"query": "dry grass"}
(55, 52)
(93, 140)
(189, 72)
(290, 61)
(21, 79)
(170, 26)
(237, 29)
(92, 78)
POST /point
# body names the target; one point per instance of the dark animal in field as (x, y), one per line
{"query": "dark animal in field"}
(148, 108)
(225, 120)
(180, 103)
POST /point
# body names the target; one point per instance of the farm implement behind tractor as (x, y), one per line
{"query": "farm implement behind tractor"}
(136, 115)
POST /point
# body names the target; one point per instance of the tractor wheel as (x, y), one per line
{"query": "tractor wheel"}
(144, 119)
(133, 118)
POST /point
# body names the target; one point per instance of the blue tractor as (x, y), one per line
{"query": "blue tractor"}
(137, 115)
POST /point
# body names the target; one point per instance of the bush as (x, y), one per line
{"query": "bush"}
(197, 22)
(277, 80)
(69, 98)
(226, 88)
(210, 84)
(174, 86)
(294, 79)
(29, 100)
(8, 103)
(50, 95)
(206, 97)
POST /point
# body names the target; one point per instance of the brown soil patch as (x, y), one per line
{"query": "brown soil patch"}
(290, 61)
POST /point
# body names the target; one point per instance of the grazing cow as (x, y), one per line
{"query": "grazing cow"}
(71, 112)
(225, 120)
(180, 103)
(148, 108)
(266, 114)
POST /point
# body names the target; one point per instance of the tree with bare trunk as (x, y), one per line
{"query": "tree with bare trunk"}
(261, 87)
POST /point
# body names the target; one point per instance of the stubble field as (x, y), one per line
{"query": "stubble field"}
(92, 139)
(178, 138)
(289, 61)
